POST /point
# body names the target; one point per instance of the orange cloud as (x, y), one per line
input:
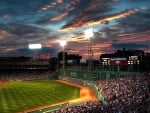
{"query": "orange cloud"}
(46, 7)
(73, 2)
(4, 35)
(59, 1)
(121, 15)
(60, 16)
(138, 37)
(79, 39)
(102, 45)
(68, 6)
(82, 22)
(95, 4)
(96, 55)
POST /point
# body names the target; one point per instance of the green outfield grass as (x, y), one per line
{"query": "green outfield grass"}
(18, 96)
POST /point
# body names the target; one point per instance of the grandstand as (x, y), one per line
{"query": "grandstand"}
(122, 92)
(125, 94)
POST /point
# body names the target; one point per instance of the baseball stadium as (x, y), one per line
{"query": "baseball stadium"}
(37, 88)
(74, 56)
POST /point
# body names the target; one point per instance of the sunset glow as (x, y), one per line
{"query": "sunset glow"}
(116, 24)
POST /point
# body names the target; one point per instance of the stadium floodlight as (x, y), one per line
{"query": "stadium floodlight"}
(63, 43)
(88, 35)
(35, 46)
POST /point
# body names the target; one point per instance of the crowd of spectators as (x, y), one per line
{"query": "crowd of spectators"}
(21, 75)
(128, 92)
(123, 95)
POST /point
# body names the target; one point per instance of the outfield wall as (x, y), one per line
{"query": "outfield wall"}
(94, 75)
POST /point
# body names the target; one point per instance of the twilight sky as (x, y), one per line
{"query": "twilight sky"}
(116, 24)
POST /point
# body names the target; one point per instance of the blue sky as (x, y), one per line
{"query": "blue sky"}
(116, 24)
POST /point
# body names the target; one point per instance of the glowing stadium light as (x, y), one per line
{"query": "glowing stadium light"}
(88, 35)
(35, 46)
(63, 43)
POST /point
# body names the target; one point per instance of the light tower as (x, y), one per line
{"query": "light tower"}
(88, 35)
(35, 47)
(63, 44)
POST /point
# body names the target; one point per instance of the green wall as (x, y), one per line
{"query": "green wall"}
(93, 75)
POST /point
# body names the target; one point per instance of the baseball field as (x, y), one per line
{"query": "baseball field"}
(18, 96)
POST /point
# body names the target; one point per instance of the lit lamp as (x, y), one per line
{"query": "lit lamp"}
(63, 44)
(88, 35)
(35, 47)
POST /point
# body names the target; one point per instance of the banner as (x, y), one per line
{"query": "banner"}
(45, 56)
(118, 61)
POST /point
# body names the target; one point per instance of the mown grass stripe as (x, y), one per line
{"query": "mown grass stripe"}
(17, 96)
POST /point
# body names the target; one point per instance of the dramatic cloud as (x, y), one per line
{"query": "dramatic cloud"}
(116, 24)
(4, 35)
(60, 16)
(85, 21)
(59, 1)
